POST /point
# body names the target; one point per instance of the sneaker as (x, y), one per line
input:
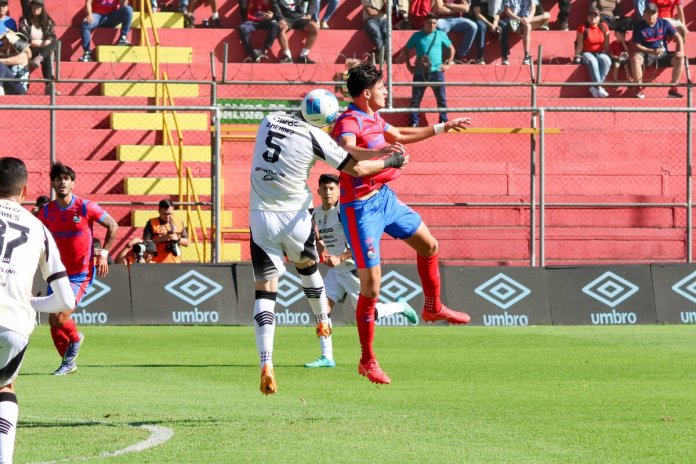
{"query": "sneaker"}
(480, 61)
(564, 25)
(593, 91)
(123, 41)
(305, 60)
(286, 59)
(86, 57)
(214, 23)
(323, 329)
(408, 312)
(65, 368)
(268, 384)
(321, 361)
(506, 61)
(324, 25)
(674, 93)
(373, 372)
(73, 350)
(639, 92)
(601, 91)
(544, 27)
(189, 21)
(527, 59)
(446, 314)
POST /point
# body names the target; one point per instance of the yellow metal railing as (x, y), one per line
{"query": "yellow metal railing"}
(163, 94)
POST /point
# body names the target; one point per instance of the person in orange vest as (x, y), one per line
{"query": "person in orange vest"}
(168, 233)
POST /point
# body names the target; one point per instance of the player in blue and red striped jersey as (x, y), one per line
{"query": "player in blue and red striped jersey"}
(369, 208)
(70, 220)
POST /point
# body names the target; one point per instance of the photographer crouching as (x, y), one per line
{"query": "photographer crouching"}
(137, 252)
(168, 233)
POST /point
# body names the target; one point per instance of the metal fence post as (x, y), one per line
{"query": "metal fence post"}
(541, 189)
(689, 130)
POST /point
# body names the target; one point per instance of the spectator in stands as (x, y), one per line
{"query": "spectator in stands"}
(137, 251)
(331, 6)
(6, 22)
(639, 8)
(609, 15)
(592, 50)
(451, 17)
(105, 13)
(520, 18)
(39, 27)
(619, 53)
(375, 23)
(430, 65)
(487, 18)
(290, 15)
(168, 233)
(402, 9)
(14, 63)
(259, 16)
(650, 36)
(563, 14)
(666, 9)
(214, 20)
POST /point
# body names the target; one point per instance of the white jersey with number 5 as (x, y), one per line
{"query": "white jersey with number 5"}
(24, 244)
(286, 149)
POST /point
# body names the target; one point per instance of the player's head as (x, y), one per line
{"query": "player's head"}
(366, 86)
(40, 202)
(328, 190)
(62, 179)
(13, 178)
(166, 209)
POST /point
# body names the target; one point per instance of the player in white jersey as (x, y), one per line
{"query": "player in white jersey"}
(286, 149)
(24, 244)
(342, 279)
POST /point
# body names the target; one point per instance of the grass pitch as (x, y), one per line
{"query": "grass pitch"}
(459, 395)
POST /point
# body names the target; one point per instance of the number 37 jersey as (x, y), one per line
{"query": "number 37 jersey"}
(24, 244)
(286, 149)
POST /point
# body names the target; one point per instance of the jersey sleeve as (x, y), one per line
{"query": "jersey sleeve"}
(51, 266)
(326, 149)
(94, 212)
(347, 125)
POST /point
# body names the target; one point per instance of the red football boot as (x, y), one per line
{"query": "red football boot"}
(446, 314)
(373, 372)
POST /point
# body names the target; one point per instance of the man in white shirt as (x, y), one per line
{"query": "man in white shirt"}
(24, 244)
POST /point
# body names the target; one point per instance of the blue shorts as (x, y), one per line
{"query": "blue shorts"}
(364, 221)
(80, 284)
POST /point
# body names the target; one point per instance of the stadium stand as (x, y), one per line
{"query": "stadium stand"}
(125, 155)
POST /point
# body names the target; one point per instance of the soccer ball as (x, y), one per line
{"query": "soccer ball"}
(319, 108)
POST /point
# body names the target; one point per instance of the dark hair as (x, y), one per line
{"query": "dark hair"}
(165, 204)
(13, 176)
(361, 77)
(328, 179)
(430, 16)
(59, 170)
(42, 200)
(42, 20)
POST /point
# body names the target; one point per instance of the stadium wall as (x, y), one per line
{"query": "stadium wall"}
(510, 296)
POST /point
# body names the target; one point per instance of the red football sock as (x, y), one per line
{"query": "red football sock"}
(429, 272)
(365, 317)
(60, 339)
(70, 329)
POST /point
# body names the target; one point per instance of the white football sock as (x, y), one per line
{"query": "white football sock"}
(264, 329)
(326, 345)
(9, 411)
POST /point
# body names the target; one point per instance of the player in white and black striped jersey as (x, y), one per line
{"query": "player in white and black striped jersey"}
(25, 244)
(286, 149)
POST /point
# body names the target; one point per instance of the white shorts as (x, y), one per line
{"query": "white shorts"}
(12, 349)
(339, 285)
(275, 234)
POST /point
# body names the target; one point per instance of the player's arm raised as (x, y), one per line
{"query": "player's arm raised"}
(416, 134)
(111, 228)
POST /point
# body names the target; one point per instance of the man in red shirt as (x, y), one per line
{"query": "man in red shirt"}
(105, 13)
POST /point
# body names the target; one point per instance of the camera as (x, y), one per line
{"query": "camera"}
(173, 248)
(139, 250)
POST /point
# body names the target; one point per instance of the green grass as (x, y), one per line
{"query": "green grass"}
(459, 395)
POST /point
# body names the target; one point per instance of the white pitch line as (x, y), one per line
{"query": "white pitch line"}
(158, 436)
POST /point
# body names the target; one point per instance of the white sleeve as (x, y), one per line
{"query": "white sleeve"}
(53, 272)
(326, 149)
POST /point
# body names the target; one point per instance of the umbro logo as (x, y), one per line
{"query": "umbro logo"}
(193, 288)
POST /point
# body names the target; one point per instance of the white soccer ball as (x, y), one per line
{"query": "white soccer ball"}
(319, 108)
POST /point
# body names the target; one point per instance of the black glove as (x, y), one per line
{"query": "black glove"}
(394, 161)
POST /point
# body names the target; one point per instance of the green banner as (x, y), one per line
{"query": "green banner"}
(250, 111)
